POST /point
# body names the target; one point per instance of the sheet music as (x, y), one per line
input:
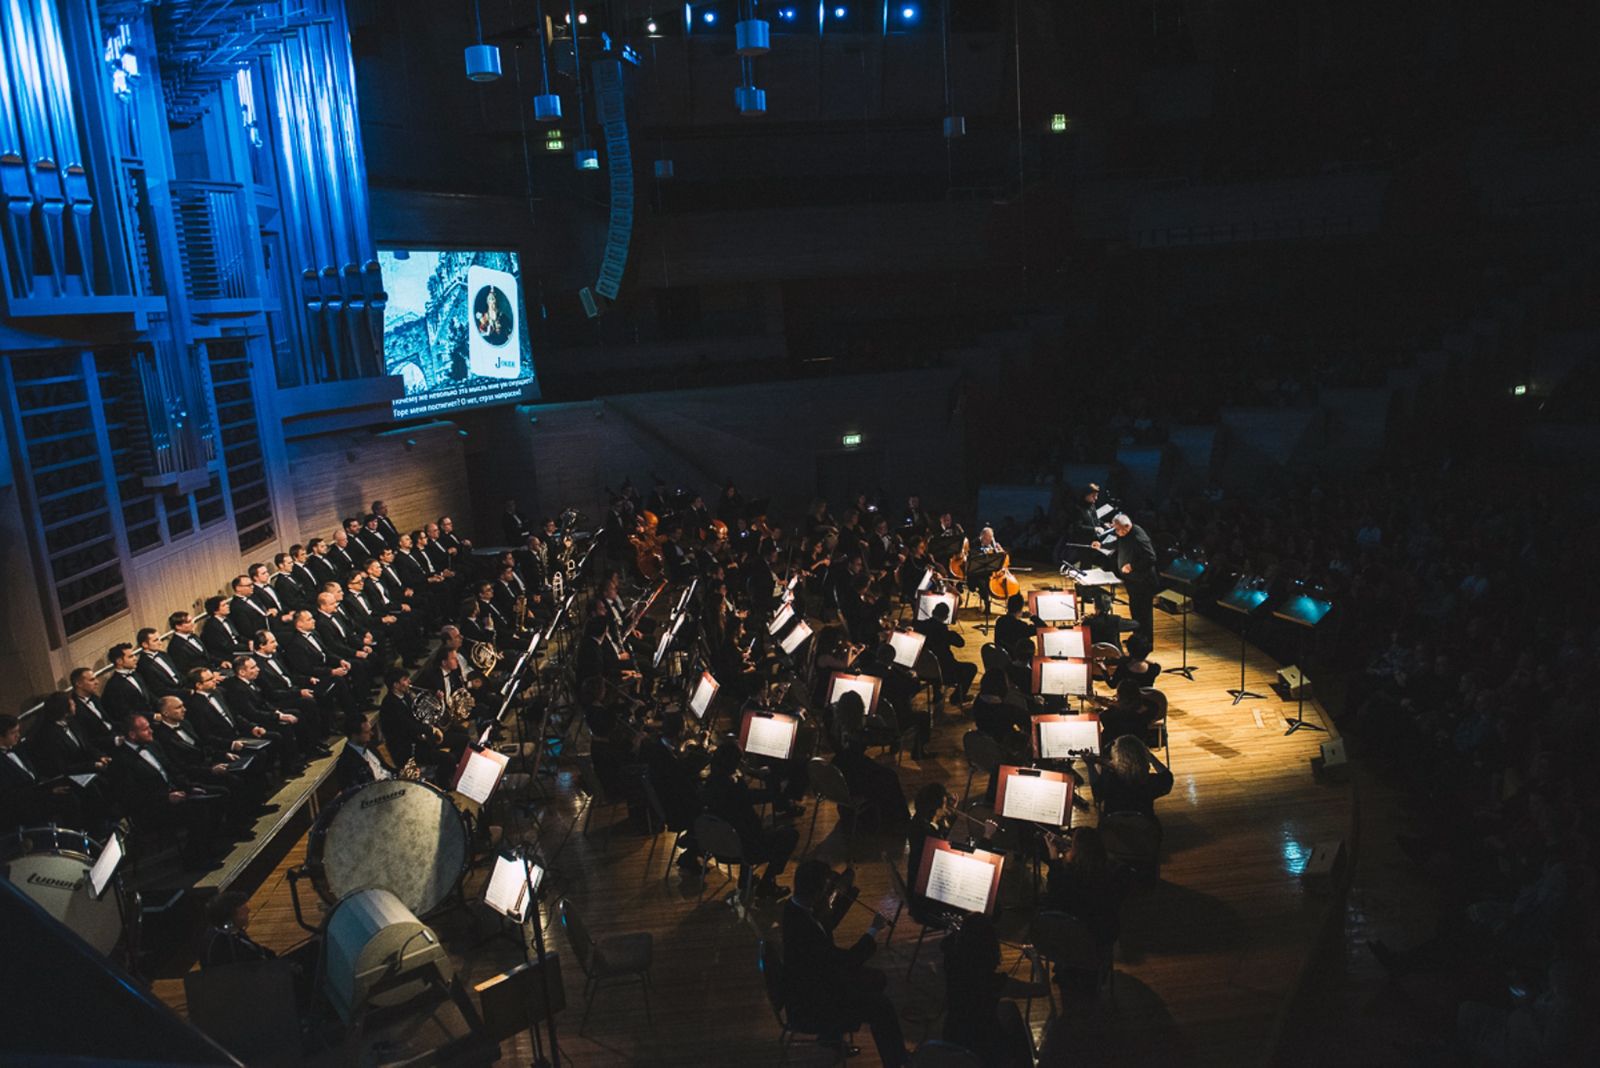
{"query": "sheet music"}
(507, 892)
(1102, 511)
(1059, 739)
(255, 743)
(1058, 606)
(1037, 799)
(105, 865)
(704, 691)
(858, 684)
(960, 881)
(926, 601)
(1059, 644)
(1098, 576)
(907, 647)
(770, 736)
(1062, 678)
(796, 637)
(926, 581)
(781, 619)
(481, 774)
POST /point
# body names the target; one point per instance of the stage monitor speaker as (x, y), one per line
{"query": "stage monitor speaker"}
(1290, 680)
(1323, 866)
(1172, 602)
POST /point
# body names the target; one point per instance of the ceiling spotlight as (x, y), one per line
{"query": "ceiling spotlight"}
(651, 27)
(583, 19)
(710, 18)
(840, 12)
(908, 13)
(788, 14)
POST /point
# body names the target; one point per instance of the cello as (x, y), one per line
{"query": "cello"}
(1002, 583)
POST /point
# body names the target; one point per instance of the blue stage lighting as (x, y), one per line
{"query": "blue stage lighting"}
(908, 13)
(840, 12)
(788, 14)
(710, 17)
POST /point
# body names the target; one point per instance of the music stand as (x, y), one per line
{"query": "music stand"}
(1306, 611)
(1181, 575)
(1246, 598)
(980, 568)
(1058, 737)
(1063, 643)
(1053, 607)
(964, 878)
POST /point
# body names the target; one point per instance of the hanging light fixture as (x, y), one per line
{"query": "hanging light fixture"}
(483, 60)
(752, 37)
(546, 105)
(585, 158)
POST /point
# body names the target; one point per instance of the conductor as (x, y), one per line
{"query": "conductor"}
(1136, 567)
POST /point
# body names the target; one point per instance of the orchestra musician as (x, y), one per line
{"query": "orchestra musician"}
(1011, 630)
(359, 763)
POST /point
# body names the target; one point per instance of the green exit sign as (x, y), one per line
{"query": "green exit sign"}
(850, 441)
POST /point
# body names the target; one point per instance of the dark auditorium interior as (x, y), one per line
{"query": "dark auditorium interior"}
(934, 533)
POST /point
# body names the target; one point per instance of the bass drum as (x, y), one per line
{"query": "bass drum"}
(408, 838)
(51, 865)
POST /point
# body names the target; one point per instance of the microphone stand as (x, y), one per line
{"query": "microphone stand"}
(544, 975)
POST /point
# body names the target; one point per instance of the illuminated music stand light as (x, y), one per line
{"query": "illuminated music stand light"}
(1062, 678)
(966, 879)
(1058, 737)
(907, 646)
(1181, 575)
(1246, 598)
(1303, 610)
(1033, 795)
(768, 734)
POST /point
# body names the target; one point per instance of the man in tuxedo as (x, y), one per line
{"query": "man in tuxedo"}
(442, 556)
(266, 598)
(358, 762)
(386, 527)
(939, 641)
(345, 554)
(832, 987)
(196, 758)
(95, 723)
(286, 584)
(371, 537)
(1136, 567)
(56, 744)
(309, 658)
(222, 639)
(416, 572)
(245, 693)
(23, 798)
(403, 733)
(244, 613)
(185, 648)
(284, 688)
(343, 643)
(125, 692)
(221, 724)
(156, 668)
(299, 558)
(156, 794)
(514, 525)
(321, 568)
(454, 544)
(677, 786)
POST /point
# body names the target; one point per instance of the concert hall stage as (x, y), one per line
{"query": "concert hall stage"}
(1207, 963)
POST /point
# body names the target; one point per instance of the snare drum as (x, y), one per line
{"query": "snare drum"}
(51, 865)
(408, 838)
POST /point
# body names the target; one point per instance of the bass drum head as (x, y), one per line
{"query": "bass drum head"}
(404, 837)
(59, 883)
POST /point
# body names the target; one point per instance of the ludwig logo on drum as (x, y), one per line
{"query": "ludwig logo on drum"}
(70, 886)
(369, 802)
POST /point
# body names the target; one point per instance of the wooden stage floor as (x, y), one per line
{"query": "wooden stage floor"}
(1208, 956)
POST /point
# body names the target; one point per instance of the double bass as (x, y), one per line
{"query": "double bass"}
(646, 544)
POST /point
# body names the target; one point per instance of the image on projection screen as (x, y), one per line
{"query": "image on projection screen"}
(455, 330)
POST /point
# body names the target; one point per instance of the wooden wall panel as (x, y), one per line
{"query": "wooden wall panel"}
(342, 474)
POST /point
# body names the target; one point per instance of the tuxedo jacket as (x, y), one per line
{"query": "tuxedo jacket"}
(219, 727)
(351, 769)
(185, 750)
(269, 602)
(158, 672)
(308, 658)
(338, 638)
(402, 730)
(138, 785)
(59, 749)
(223, 638)
(126, 694)
(290, 592)
(188, 651)
(323, 570)
(248, 618)
(95, 723)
